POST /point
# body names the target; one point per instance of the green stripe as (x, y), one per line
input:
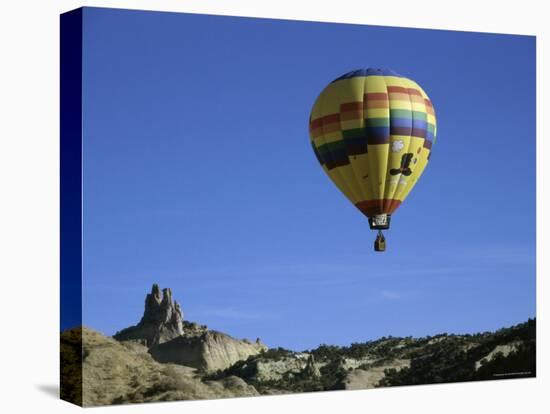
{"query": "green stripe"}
(420, 115)
(377, 122)
(405, 113)
(353, 133)
(400, 113)
(316, 151)
(331, 147)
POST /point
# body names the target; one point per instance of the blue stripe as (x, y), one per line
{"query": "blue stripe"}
(378, 135)
(429, 135)
(419, 124)
(401, 122)
(377, 132)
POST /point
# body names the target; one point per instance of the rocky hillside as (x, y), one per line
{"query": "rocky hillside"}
(170, 339)
(116, 372)
(390, 361)
(163, 357)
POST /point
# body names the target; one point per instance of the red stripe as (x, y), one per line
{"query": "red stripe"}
(398, 96)
(314, 124)
(397, 89)
(414, 92)
(330, 119)
(324, 120)
(376, 96)
(376, 100)
(350, 115)
(393, 205)
(351, 110)
(351, 106)
(371, 208)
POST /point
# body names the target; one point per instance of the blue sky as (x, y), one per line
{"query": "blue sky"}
(199, 176)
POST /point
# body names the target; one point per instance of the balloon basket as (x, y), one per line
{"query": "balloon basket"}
(380, 242)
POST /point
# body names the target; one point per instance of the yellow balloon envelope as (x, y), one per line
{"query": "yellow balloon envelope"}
(372, 131)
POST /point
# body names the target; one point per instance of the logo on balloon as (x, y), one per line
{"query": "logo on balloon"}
(405, 165)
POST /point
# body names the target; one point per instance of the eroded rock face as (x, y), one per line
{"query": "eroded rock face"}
(312, 370)
(162, 320)
(505, 350)
(273, 370)
(209, 351)
(359, 379)
(170, 339)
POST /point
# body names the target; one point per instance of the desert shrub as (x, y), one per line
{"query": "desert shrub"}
(447, 361)
(277, 354)
(333, 374)
(327, 352)
(519, 363)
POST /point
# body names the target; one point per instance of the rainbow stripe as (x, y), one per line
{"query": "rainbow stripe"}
(361, 126)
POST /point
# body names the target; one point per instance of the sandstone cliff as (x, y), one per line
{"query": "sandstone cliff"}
(170, 339)
(209, 351)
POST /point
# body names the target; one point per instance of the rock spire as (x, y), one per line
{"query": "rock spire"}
(162, 320)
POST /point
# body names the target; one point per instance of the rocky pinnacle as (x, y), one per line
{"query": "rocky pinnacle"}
(162, 320)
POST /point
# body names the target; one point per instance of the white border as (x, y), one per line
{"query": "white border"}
(29, 205)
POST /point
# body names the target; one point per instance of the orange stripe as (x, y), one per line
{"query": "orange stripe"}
(398, 96)
(397, 89)
(316, 133)
(331, 128)
(376, 104)
(351, 110)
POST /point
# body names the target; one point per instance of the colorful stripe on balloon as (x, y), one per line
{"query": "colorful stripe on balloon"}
(372, 130)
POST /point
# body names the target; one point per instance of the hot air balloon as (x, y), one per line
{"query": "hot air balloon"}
(372, 131)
